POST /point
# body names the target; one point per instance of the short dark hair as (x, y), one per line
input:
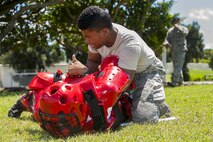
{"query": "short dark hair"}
(93, 17)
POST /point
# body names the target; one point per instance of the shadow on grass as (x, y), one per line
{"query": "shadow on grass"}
(40, 134)
(12, 91)
(44, 135)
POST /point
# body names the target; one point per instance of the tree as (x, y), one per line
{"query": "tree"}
(211, 63)
(23, 39)
(195, 47)
(53, 26)
(12, 10)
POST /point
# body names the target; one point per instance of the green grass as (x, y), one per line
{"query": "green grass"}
(195, 75)
(198, 75)
(192, 104)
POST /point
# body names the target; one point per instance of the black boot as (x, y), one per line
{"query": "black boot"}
(164, 110)
(16, 110)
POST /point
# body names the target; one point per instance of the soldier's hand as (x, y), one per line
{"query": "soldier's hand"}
(176, 25)
(167, 45)
(76, 68)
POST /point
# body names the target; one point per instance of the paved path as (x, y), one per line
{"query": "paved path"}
(191, 66)
(197, 82)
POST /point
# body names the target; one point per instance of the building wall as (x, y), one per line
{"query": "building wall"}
(9, 78)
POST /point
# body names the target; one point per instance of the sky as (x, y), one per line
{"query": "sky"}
(200, 11)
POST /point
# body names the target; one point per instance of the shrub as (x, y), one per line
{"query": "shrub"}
(211, 63)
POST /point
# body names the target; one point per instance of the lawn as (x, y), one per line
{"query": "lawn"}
(199, 75)
(191, 104)
(196, 75)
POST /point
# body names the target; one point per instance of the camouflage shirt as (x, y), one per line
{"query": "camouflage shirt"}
(176, 37)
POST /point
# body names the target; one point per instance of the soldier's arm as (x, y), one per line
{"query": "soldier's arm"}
(93, 61)
(167, 41)
(182, 29)
(131, 74)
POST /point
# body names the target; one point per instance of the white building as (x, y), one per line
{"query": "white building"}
(9, 78)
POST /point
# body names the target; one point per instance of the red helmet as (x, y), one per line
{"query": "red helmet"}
(62, 110)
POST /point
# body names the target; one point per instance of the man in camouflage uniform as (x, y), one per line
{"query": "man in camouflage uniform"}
(176, 40)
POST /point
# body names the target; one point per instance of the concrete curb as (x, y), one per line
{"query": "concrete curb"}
(197, 83)
(193, 83)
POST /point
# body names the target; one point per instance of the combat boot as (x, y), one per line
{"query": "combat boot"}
(164, 110)
(16, 110)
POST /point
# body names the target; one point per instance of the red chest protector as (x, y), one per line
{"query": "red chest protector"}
(63, 105)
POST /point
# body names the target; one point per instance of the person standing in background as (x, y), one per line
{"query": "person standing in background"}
(176, 40)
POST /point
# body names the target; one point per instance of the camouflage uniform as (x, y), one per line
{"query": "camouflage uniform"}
(176, 37)
(148, 101)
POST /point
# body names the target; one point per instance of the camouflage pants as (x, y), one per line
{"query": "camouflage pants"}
(178, 61)
(149, 95)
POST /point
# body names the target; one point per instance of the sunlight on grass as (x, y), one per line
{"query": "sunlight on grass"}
(198, 75)
(195, 75)
(191, 104)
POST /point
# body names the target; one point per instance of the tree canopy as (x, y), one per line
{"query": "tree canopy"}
(195, 47)
(24, 38)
